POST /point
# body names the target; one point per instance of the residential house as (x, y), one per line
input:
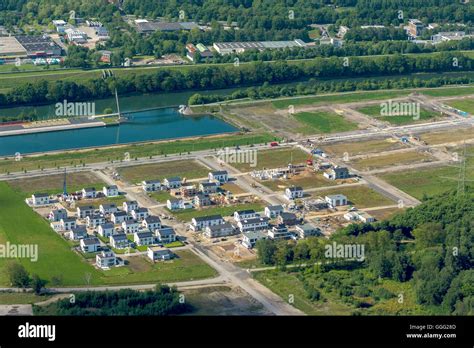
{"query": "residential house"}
(253, 224)
(307, 230)
(105, 259)
(201, 200)
(40, 199)
(57, 214)
(244, 214)
(172, 183)
(188, 190)
(336, 200)
(110, 191)
(415, 27)
(199, 223)
(89, 192)
(77, 233)
(151, 185)
(289, 219)
(165, 235)
(84, 211)
(294, 192)
(130, 226)
(359, 216)
(220, 176)
(95, 220)
(129, 206)
(272, 211)
(159, 253)
(222, 230)
(106, 230)
(279, 232)
(140, 214)
(108, 208)
(118, 217)
(67, 224)
(151, 223)
(208, 187)
(119, 241)
(250, 238)
(175, 204)
(90, 244)
(337, 173)
(143, 238)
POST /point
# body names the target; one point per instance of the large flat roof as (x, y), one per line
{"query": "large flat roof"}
(10, 47)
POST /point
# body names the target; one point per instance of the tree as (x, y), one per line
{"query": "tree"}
(18, 275)
(37, 284)
(266, 250)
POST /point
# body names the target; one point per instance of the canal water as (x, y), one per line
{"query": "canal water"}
(159, 124)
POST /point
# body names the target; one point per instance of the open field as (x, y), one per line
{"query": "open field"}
(116, 153)
(21, 298)
(223, 300)
(308, 179)
(54, 183)
(392, 159)
(323, 122)
(463, 104)
(274, 159)
(187, 214)
(159, 171)
(384, 214)
(448, 91)
(359, 196)
(434, 138)
(375, 111)
(362, 147)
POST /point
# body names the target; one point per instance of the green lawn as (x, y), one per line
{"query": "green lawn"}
(19, 224)
(188, 214)
(324, 122)
(360, 196)
(463, 104)
(375, 111)
(21, 298)
(274, 159)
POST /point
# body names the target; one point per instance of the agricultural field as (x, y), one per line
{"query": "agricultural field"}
(53, 184)
(463, 105)
(323, 122)
(362, 147)
(360, 196)
(274, 159)
(391, 159)
(375, 111)
(184, 169)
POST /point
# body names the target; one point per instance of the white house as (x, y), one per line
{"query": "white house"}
(166, 235)
(90, 245)
(279, 232)
(222, 230)
(251, 237)
(199, 223)
(175, 204)
(130, 226)
(143, 238)
(202, 200)
(106, 230)
(119, 217)
(84, 211)
(244, 214)
(208, 187)
(359, 216)
(140, 214)
(89, 192)
(151, 185)
(110, 191)
(171, 183)
(129, 206)
(40, 198)
(57, 214)
(219, 176)
(159, 253)
(151, 223)
(307, 230)
(253, 224)
(77, 233)
(67, 224)
(119, 241)
(95, 220)
(108, 208)
(105, 259)
(337, 173)
(294, 192)
(273, 211)
(336, 200)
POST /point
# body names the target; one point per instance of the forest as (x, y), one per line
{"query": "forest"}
(430, 248)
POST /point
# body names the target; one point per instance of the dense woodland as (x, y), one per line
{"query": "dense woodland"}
(430, 248)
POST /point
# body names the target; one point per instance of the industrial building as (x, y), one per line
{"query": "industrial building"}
(39, 46)
(241, 47)
(11, 48)
(145, 26)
